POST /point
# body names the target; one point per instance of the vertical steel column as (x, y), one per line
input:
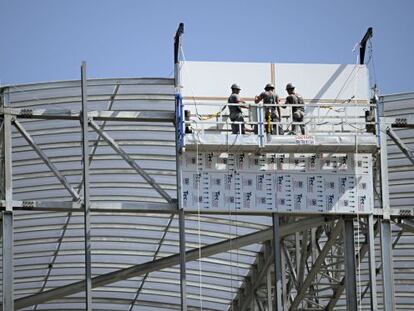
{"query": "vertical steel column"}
(387, 266)
(7, 264)
(385, 196)
(269, 289)
(284, 279)
(386, 234)
(86, 203)
(297, 252)
(7, 215)
(178, 156)
(372, 264)
(183, 277)
(278, 263)
(350, 267)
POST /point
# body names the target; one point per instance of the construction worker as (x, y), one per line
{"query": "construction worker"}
(298, 112)
(272, 113)
(236, 114)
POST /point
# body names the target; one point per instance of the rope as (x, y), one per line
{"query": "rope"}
(357, 209)
(190, 85)
(200, 277)
(231, 222)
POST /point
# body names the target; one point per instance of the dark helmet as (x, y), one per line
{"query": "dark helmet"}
(290, 86)
(235, 87)
(269, 86)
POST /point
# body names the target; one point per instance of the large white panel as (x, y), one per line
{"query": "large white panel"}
(324, 81)
(206, 87)
(213, 79)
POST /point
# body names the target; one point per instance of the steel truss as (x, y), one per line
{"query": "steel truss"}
(316, 258)
(306, 263)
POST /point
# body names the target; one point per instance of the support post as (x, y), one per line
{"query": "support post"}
(178, 155)
(387, 266)
(372, 264)
(386, 234)
(269, 289)
(7, 215)
(7, 263)
(278, 263)
(350, 267)
(86, 201)
(183, 277)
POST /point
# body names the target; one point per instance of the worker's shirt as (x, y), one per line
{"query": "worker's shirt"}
(269, 98)
(295, 99)
(234, 99)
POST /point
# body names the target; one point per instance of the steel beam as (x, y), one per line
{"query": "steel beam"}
(130, 161)
(371, 263)
(7, 163)
(406, 224)
(339, 290)
(7, 261)
(178, 159)
(86, 198)
(255, 278)
(66, 114)
(170, 261)
(303, 257)
(350, 267)
(115, 207)
(269, 289)
(183, 273)
(387, 266)
(385, 196)
(399, 143)
(7, 215)
(46, 160)
(317, 265)
(277, 257)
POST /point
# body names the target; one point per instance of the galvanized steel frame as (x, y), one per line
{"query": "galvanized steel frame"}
(295, 268)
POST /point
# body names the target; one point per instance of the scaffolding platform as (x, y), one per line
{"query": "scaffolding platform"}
(336, 143)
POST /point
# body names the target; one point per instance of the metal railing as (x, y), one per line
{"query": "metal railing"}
(319, 118)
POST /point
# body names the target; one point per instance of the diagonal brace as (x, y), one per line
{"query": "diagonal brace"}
(130, 161)
(317, 265)
(46, 160)
(170, 261)
(360, 256)
(403, 147)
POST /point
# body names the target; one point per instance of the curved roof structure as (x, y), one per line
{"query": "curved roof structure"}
(49, 244)
(134, 231)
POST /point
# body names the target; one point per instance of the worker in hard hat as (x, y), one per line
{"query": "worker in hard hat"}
(272, 110)
(236, 114)
(298, 112)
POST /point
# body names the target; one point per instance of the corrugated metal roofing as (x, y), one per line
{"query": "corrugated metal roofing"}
(118, 240)
(122, 240)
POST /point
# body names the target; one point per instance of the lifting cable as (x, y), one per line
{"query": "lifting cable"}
(358, 262)
(198, 115)
(199, 180)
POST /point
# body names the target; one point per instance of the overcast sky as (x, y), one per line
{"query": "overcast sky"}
(46, 40)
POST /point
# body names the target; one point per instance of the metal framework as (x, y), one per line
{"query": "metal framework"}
(283, 262)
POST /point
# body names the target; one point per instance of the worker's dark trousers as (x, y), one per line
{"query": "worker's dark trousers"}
(298, 117)
(235, 128)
